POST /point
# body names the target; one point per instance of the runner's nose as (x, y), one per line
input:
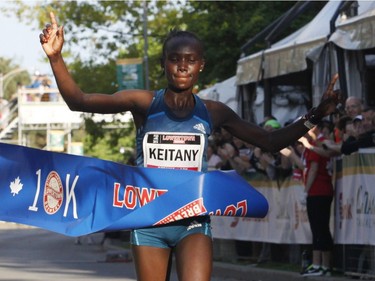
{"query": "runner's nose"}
(182, 65)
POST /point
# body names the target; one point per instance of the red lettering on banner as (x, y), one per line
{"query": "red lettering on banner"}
(130, 197)
(160, 192)
(133, 196)
(216, 213)
(145, 195)
(242, 205)
(192, 209)
(116, 199)
(232, 210)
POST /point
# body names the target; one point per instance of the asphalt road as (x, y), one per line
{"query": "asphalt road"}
(32, 254)
(29, 254)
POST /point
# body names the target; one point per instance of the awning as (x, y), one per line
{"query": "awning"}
(289, 54)
(357, 33)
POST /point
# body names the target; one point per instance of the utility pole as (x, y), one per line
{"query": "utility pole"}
(145, 58)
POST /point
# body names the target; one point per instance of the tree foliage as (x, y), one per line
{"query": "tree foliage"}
(109, 30)
(115, 144)
(95, 78)
(100, 32)
(225, 26)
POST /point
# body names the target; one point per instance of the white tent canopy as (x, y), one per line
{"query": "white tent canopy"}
(357, 33)
(354, 35)
(289, 54)
(283, 109)
(224, 92)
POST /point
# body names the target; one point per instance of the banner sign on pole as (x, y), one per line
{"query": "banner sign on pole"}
(130, 74)
(56, 140)
(76, 195)
(355, 199)
(286, 221)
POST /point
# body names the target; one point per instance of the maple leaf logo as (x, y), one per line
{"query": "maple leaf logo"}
(16, 186)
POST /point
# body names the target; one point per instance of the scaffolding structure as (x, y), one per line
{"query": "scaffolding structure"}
(43, 109)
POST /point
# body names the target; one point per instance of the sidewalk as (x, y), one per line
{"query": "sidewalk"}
(252, 273)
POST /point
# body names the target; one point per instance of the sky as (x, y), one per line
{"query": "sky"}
(20, 43)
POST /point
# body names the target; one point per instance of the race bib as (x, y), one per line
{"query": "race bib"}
(183, 151)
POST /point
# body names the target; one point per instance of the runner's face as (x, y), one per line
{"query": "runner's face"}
(183, 62)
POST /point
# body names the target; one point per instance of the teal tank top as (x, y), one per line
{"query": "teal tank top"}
(166, 141)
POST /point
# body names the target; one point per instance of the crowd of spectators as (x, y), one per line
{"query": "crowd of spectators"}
(353, 129)
(345, 132)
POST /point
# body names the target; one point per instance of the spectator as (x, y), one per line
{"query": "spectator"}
(214, 161)
(318, 196)
(345, 128)
(244, 150)
(225, 136)
(37, 82)
(294, 154)
(46, 83)
(323, 144)
(353, 107)
(360, 138)
(255, 161)
(335, 118)
(229, 153)
(225, 148)
(276, 165)
(368, 115)
(267, 118)
(357, 125)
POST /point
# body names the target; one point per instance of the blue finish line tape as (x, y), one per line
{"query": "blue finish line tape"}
(77, 195)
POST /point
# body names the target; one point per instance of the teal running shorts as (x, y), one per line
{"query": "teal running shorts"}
(168, 235)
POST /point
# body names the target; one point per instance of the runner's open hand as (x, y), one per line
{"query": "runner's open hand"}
(52, 38)
(329, 101)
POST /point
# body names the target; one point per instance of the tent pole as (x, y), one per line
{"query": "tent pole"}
(342, 72)
(339, 51)
(267, 110)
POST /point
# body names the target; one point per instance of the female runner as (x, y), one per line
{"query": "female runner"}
(175, 112)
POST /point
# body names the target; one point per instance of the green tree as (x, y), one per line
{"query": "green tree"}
(111, 30)
(116, 143)
(94, 77)
(225, 26)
